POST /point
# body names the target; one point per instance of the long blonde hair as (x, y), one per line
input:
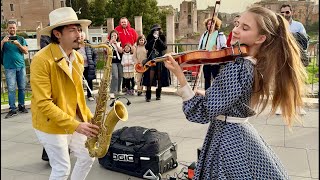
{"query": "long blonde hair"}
(279, 74)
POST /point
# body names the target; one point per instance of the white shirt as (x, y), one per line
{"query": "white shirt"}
(296, 26)
(70, 60)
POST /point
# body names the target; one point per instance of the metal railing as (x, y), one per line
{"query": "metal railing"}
(313, 67)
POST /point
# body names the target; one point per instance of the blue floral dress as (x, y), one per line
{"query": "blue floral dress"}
(232, 150)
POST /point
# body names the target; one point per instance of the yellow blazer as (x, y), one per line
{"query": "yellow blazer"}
(56, 93)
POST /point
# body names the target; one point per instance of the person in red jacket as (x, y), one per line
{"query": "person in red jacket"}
(126, 33)
(230, 35)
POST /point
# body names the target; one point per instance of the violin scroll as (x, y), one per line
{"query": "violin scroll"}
(143, 67)
(140, 68)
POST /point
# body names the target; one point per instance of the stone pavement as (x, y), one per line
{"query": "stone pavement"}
(298, 149)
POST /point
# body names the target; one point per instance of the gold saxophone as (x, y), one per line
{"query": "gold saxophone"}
(98, 146)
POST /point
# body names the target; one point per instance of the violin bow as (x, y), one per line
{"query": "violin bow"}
(215, 13)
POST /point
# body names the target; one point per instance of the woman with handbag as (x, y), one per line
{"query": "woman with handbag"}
(158, 75)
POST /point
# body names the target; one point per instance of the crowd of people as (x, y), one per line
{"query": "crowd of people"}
(232, 147)
(130, 49)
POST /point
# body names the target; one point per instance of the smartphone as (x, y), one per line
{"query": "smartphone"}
(12, 38)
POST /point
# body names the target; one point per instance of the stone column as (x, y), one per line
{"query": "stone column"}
(38, 33)
(138, 24)
(170, 40)
(110, 24)
(195, 19)
(170, 32)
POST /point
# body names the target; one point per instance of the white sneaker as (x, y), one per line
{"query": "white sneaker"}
(302, 111)
(278, 111)
(91, 99)
(120, 94)
(112, 96)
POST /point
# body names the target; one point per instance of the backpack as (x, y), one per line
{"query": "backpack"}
(303, 42)
(140, 152)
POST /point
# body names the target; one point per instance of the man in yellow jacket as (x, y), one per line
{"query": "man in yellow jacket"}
(60, 116)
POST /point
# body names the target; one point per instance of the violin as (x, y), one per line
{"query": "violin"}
(199, 57)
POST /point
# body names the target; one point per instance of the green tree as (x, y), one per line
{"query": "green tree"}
(313, 30)
(81, 7)
(163, 17)
(97, 12)
(3, 25)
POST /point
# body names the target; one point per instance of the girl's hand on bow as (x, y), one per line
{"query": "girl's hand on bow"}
(175, 68)
(172, 65)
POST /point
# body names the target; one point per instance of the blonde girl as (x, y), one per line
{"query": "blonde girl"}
(233, 149)
(139, 55)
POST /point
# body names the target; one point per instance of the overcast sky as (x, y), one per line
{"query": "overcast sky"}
(227, 6)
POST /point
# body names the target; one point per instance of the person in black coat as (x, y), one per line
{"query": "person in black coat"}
(90, 60)
(44, 41)
(158, 75)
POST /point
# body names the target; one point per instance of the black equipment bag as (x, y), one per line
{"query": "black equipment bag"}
(140, 152)
(303, 42)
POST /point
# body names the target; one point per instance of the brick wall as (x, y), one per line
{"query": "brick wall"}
(27, 12)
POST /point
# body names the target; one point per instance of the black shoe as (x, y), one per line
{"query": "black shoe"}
(139, 93)
(22, 109)
(158, 93)
(10, 114)
(147, 100)
(44, 155)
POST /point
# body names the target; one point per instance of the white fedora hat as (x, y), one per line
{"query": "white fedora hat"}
(63, 16)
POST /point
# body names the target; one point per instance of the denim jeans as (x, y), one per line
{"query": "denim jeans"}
(13, 77)
(117, 74)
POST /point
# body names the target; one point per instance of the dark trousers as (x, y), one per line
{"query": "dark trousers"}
(158, 91)
(209, 72)
(85, 74)
(128, 83)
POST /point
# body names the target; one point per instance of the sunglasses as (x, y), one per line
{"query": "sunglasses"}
(285, 12)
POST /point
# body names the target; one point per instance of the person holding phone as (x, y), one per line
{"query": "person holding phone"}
(13, 48)
(117, 68)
